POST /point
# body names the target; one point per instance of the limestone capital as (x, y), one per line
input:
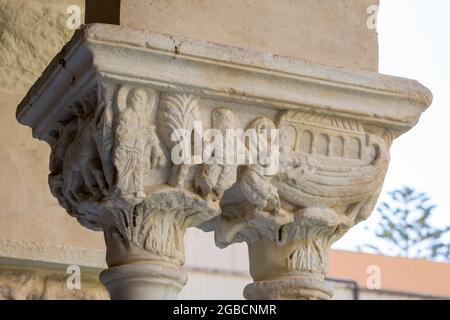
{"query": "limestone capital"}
(331, 171)
(110, 168)
(113, 104)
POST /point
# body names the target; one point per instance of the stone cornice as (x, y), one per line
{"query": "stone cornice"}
(244, 76)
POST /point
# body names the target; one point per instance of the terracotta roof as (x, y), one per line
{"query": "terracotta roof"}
(397, 274)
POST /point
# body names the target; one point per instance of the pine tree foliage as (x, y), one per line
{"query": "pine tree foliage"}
(405, 229)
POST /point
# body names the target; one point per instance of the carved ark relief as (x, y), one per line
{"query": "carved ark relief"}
(330, 174)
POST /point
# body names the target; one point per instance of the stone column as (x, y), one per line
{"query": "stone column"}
(110, 104)
(109, 169)
(330, 175)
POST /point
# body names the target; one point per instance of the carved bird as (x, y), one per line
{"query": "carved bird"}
(258, 190)
(215, 178)
(254, 185)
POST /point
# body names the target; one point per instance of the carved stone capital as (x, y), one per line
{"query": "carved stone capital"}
(111, 168)
(331, 171)
(114, 103)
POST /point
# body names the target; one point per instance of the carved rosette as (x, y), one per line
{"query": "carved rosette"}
(330, 174)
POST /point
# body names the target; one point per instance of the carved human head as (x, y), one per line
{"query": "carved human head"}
(263, 145)
(138, 100)
(223, 119)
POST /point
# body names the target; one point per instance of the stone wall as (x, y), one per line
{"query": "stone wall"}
(32, 224)
(31, 33)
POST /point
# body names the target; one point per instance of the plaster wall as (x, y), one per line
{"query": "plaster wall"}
(321, 31)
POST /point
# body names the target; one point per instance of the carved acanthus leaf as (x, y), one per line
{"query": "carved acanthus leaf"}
(156, 225)
(309, 256)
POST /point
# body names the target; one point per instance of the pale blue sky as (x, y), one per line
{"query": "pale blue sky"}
(414, 38)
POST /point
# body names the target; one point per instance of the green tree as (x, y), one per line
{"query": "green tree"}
(404, 228)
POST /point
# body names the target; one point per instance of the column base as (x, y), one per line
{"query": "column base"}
(289, 289)
(144, 281)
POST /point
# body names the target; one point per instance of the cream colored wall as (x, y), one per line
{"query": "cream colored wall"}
(31, 33)
(322, 31)
(38, 239)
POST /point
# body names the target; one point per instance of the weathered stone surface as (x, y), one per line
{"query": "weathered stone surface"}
(31, 33)
(29, 284)
(330, 174)
(322, 31)
(99, 161)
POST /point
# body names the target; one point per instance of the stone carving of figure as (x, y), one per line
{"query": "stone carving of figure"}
(136, 146)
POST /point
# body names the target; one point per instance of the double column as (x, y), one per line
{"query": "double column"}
(116, 105)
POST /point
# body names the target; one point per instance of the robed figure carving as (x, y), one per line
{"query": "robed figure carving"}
(136, 147)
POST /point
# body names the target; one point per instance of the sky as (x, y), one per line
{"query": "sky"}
(414, 40)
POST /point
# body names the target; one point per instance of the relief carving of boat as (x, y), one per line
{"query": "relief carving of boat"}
(327, 160)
